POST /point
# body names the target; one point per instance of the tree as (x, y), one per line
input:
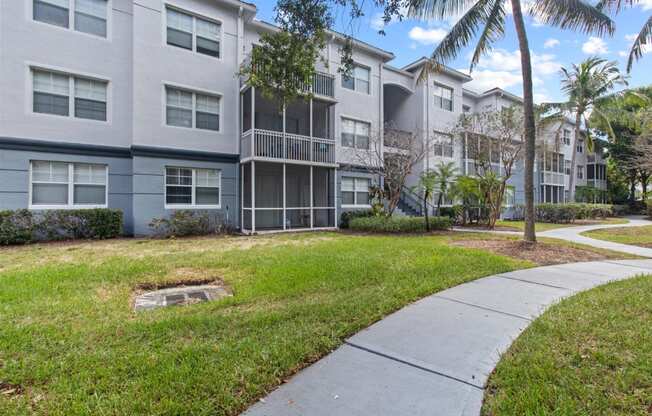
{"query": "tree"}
(444, 175)
(494, 140)
(427, 183)
(643, 40)
(394, 165)
(584, 85)
(487, 18)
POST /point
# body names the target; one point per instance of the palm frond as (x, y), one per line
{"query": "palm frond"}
(494, 30)
(437, 9)
(615, 5)
(574, 15)
(643, 39)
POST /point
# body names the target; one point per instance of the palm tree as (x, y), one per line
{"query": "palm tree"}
(428, 183)
(444, 174)
(487, 18)
(644, 37)
(584, 85)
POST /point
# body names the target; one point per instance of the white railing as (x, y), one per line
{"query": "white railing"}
(270, 144)
(597, 183)
(323, 84)
(552, 178)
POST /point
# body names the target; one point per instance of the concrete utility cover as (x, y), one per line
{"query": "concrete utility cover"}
(184, 295)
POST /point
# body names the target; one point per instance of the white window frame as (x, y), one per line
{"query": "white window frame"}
(193, 204)
(567, 137)
(580, 172)
(580, 146)
(355, 83)
(356, 190)
(441, 98)
(71, 20)
(71, 187)
(71, 93)
(194, 93)
(355, 136)
(194, 16)
(509, 202)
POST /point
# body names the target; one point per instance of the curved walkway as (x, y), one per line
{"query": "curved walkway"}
(574, 234)
(434, 356)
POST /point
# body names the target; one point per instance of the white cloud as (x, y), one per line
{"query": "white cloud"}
(623, 53)
(427, 36)
(541, 97)
(550, 43)
(645, 4)
(486, 79)
(502, 60)
(645, 49)
(595, 46)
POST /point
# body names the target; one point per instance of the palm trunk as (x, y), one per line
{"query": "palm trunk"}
(425, 210)
(571, 180)
(529, 127)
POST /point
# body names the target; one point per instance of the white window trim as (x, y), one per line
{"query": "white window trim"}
(355, 191)
(194, 187)
(355, 88)
(71, 21)
(355, 120)
(452, 90)
(71, 188)
(71, 74)
(194, 92)
(195, 15)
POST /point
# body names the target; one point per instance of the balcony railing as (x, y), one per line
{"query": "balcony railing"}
(276, 145)
(323, 84)
(597, 184)
(552, 178)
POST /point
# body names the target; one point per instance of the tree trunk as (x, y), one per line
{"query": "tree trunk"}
(644, 181)
(425, 210)
(439, 204)
(573, 175)
(529, 128)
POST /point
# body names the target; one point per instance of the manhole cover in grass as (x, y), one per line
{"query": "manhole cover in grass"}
(182, 295)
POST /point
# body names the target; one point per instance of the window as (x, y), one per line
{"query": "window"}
(580, 172)
(192, 187)
(51, 95)
(88, 16)
(568, 167)
(68, 185)
(443, 145)
(355, 133)
(580, 147)
(509, 199)
(355, 191)
(193, 33)
(566, 138)
(190, 109)
(444, 97)
(359, 80)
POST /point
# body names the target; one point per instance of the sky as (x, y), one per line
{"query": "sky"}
(551, 48)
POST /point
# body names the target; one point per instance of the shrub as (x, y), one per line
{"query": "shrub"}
(185, 223)
(23, 226)
(347, 216)
(566, 213)
(398, 224)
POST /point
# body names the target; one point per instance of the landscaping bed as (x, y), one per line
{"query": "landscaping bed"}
(636, 236)
(588, 355)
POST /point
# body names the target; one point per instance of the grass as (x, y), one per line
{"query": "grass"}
(589, 355)
(70, 343)
(638, 236)
(544, 226)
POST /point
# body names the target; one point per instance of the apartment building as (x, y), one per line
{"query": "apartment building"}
(137, 105)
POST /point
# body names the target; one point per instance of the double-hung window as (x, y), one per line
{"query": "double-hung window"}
(509, 199)
(360, 80)
(188, 187)
(193, 33)
(355, 192)
(190, 109)
(443, 97)
(67, 185)
(567, 137)
(355, 133)
(567, 163)
(88, 16)
(580, 147)
(580, 172)
(52, 95)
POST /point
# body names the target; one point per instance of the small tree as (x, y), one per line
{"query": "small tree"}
(428, 182)
(394, 165)
(494, 141)
(445, 173)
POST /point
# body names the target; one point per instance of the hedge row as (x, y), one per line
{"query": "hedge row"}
(398, 224)
(567, 213)
(23, 226)
(186, 223)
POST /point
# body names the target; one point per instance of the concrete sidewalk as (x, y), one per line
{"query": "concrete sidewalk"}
(434, 357)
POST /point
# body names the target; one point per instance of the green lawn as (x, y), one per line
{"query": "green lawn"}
(638, 236)
(70, 343)
(589, 355)
(544, 226)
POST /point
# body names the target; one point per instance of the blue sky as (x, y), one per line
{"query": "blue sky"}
(551, 48)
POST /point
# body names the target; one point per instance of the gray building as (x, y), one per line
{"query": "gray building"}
(138, 106)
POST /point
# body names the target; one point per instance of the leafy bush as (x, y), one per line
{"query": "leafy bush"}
(398, 224)
(347, 216)
(185, 223)
(23, 226)
(567, 213)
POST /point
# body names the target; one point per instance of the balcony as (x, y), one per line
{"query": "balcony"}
(323, 85)
(597, 184)
(269, 145)
(552, 178)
